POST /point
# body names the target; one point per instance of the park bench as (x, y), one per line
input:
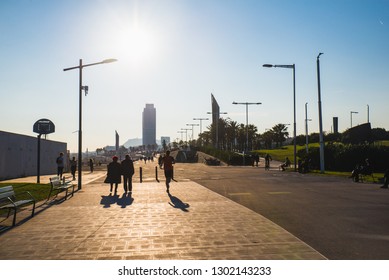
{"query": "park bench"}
(9, 201)
(58, 185)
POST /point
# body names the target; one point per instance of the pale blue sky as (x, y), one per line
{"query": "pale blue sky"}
(175, 53)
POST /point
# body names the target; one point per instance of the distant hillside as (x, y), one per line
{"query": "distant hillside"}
(135, 142)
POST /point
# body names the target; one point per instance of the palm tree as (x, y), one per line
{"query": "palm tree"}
(231, 133)
(280, 133)
(252, 133)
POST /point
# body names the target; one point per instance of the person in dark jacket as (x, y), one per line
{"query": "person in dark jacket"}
(127, 171)
(114, 174)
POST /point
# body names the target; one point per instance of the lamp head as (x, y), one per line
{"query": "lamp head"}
(267, 65)
(110, 60)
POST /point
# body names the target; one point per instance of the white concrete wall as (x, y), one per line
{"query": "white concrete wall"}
(18, 155)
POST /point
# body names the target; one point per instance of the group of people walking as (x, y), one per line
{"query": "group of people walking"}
(116, 170)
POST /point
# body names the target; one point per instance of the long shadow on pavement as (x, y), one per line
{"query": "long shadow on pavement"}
(123, 201)
(178, 203)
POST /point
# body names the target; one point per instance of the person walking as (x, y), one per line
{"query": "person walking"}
(60, 165)
(167, 162)
(127, 171)
(91, 165)
(256, 157)
(73, 167)
(114, 173)
(267, 161)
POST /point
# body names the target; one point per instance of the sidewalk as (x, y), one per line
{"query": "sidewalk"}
(190, 223)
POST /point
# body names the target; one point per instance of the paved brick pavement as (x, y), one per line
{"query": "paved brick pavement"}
(190, 223)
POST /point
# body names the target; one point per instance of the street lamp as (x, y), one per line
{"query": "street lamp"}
(201, 127)
(306, 127)
(181, 131)
(321, 135)
(186, 133)
(81, 88)
(192, 124)
(217, 126)
(291, 66)
(351, 117)
(247, 118)
(201, 122)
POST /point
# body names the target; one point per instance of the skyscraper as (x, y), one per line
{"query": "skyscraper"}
(149, 125)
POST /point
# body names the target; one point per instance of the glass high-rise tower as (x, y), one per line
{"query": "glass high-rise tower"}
(149, 121)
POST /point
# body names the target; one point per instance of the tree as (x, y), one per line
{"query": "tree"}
(267, 138)
(231, 133)
(280, 133)
(379, 134)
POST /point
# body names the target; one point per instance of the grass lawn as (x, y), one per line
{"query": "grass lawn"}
(38, 191)
(279, 154)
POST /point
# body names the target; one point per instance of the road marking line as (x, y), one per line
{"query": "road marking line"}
(279, 193)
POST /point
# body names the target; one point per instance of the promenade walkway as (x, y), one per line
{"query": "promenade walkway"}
(190, 223)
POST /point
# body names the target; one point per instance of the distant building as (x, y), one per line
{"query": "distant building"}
(149, 121)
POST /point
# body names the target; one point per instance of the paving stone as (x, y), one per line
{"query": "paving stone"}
(192, 223)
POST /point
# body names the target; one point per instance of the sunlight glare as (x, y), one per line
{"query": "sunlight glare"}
(138, 44)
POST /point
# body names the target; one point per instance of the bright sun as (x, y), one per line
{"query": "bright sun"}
(137, 43)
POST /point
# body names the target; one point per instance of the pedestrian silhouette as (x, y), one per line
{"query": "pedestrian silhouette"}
(114, 174)
(167, 162)
(91, 165)
(60, 165)
(127, 171)
(73, 167)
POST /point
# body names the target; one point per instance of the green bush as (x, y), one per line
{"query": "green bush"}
(228, 157)
(344, 157)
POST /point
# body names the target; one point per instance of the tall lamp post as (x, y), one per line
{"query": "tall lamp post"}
(186, 133)
(201, 126)
(351, 117)
(291, 66)
(181, 131)
(201, 122)
(192, 125)
(247, 118)
(321, 135)
(306, 127)
(81, 88)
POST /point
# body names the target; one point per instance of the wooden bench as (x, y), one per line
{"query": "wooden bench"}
(9, 201)
(58, 185)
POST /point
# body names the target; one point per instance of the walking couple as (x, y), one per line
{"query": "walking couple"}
(116, 170)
